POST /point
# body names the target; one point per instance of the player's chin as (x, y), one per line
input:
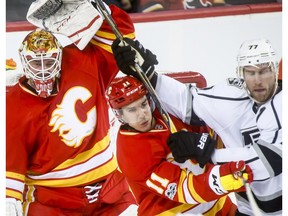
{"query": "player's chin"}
(260, 96)
(144, 126)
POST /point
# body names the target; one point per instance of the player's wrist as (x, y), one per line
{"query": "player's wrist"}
(215, 181)
(154, 79)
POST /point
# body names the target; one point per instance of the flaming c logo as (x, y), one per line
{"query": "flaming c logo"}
(64, 118)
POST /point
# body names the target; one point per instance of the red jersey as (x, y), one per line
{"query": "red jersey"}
(159, 184)
(63, 140)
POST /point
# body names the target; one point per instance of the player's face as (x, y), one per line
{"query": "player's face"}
(260, 81)
(37, 65)
(138, 115)
(41, 75)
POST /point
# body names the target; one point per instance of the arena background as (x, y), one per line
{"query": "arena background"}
(202, 40)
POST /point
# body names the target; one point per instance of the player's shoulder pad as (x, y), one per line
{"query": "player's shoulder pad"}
(236, 82)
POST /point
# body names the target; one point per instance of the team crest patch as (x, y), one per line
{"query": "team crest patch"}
(171, 190)
(159, 127)
(237, 82)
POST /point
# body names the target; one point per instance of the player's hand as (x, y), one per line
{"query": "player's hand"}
(126, 55)
(229, 177)
(186, 145)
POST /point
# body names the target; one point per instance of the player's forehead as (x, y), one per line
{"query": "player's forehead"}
(135, 103)
(257, 67)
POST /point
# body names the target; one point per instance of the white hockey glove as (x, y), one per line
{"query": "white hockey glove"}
(76, 19)
(13, 207)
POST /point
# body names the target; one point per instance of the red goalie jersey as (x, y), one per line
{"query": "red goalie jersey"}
(59, 145)
(159, 184)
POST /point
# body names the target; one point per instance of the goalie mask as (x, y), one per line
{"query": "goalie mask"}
(41, 56)
(260, 56)
(124, 91)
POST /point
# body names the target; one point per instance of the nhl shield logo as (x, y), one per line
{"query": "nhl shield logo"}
(235, 82)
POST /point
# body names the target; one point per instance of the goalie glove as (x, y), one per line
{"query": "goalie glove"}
(186, 145)
(229, 177)
(13, 207)
(133, 52)
(76, 19)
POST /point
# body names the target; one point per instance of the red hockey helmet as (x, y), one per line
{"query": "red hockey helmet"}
(123, 91)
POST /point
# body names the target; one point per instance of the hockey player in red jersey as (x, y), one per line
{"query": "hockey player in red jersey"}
(246, 112)
(160, 185)
(58, 155)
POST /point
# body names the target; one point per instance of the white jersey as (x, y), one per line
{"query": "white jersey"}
(243, 128)
(269, 149)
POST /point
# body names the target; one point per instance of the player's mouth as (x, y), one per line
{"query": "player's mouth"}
(144, 124)
(260, 90)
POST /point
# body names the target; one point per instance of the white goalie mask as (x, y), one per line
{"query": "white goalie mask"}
(255, 53)
(41, 56)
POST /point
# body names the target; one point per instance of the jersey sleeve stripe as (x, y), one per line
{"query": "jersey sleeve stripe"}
(84, 178)
(14, 194)
(99, 147)
(17, 176)
(192, 190)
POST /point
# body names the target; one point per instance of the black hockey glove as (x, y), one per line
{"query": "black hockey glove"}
(132, 52)
(187, 145)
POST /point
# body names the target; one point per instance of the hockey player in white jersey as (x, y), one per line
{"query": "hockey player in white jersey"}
(245, 112)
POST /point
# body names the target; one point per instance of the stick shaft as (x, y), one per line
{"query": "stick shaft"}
(137, 67)
(255, 209)
(253, 204)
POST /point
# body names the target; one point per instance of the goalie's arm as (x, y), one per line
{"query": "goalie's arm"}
(105, 36)
(78, 20)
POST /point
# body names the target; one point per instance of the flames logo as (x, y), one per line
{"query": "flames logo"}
(65, 119)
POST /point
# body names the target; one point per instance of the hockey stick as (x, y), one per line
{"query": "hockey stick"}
(255, 209)
(136, 67)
